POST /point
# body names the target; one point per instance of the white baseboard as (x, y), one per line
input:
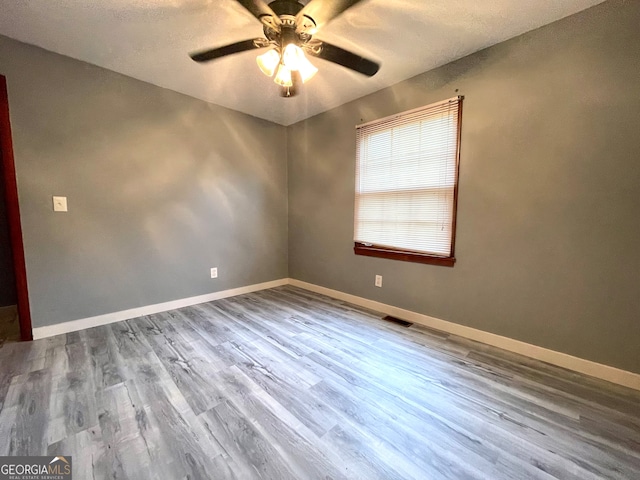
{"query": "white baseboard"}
(81, 324)
(587, 367)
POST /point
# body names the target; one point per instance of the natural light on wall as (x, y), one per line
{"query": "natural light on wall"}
(406, 180)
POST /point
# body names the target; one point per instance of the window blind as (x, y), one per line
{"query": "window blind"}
(406, 180)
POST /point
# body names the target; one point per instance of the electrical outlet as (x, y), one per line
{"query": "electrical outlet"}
(60, 204)
(379, 281)
(214, 273)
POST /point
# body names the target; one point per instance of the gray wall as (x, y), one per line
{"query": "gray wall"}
(548, 239)
(160, 186)
(7, 281)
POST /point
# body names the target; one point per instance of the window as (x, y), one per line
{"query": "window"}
(407, 184)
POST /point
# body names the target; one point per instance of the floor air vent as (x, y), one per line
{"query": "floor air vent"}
(402, 323)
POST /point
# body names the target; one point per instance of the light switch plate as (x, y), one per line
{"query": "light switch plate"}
(60, 204)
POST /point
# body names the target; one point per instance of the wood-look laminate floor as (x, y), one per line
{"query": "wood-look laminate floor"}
(287, 384)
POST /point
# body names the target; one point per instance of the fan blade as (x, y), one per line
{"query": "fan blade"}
(262, 11)
(323, 11)
(212, 54)
(346, 59)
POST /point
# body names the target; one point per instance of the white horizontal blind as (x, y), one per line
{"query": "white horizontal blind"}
(406, 175)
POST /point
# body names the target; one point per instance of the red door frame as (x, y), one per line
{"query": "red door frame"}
(13, 214)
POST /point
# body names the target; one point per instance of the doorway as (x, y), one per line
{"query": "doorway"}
(9, 326)
(17, 315)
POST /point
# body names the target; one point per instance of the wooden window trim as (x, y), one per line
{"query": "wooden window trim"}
(403, 255)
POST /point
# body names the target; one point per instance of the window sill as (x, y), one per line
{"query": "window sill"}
(403, 255)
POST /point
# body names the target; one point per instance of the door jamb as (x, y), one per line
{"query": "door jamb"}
(13, 214)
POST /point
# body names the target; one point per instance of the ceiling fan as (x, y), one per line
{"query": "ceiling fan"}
(289, 26)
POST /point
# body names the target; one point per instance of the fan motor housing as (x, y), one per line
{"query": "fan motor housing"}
(286, 7)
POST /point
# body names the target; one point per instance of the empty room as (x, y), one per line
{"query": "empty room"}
(320, 239)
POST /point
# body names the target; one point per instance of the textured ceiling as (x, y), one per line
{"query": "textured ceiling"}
(150, 39)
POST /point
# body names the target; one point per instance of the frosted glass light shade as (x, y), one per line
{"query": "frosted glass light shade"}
(283, 76)
(268, 62)
(294, 59)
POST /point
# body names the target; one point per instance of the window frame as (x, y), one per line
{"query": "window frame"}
(371, 250)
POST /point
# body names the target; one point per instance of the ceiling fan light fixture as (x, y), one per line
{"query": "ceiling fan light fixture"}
(291, 56)
(268, 62)
(289, 27)
(307, 70)
(294, 58)
(283, 76)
